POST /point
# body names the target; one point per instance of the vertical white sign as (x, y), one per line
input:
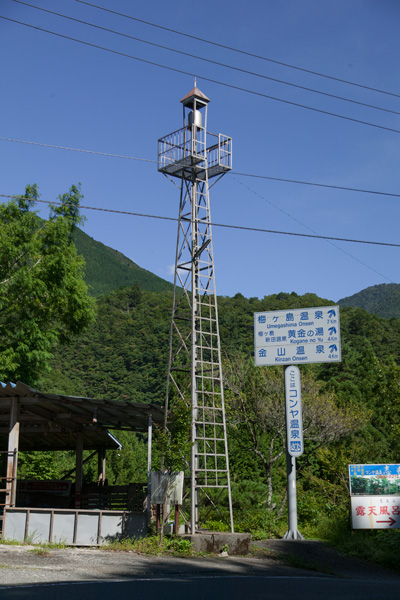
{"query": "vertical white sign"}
(294, 417)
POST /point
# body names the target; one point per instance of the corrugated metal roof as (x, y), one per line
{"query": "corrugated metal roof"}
(51, 421)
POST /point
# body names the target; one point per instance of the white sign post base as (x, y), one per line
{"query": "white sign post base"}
(294, 444)
(292, 533)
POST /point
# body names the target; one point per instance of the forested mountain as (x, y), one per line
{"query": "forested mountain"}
(382, 300)
(354, 404)
(351, 409)
(108, 269)
(124, 354)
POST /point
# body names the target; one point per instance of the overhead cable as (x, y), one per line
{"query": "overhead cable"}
(182, 72)
(77, 150)
(268, 177)
(233, 173)
(214, 62)
(233, 49)
(333, 244)
(224, 225)
(313, 183)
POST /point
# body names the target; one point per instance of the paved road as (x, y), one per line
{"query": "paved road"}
(210, 587)
(93, 574)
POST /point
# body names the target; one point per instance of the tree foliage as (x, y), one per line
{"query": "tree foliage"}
(43, 296)
(256, 409)
(123, 355)
(107, 269)
(382, 300)
(351, 409)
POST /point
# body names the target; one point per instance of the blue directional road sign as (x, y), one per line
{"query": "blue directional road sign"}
(307, 335)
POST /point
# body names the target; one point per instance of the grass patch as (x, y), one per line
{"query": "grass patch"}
(11, 543)
(28, 542)
(261, 524)
(150, 546)
(40, 551)
(55, 545)
(377, 546)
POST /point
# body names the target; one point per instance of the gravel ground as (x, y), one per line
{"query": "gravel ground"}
(21, 565)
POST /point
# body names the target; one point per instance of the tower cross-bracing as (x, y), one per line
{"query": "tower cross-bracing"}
(194, 368)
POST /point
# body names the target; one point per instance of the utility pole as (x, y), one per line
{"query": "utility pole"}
(194, 367)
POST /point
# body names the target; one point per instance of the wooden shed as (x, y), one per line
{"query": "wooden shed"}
(31, 420)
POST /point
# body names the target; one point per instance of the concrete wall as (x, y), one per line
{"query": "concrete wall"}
(72, 527)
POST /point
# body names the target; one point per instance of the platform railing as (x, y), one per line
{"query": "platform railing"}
(182, 151)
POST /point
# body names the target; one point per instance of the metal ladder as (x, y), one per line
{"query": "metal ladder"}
(195, 348)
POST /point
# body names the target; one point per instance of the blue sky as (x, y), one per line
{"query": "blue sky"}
(59, 92)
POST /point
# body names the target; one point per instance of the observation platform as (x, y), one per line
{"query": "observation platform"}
(182, 155)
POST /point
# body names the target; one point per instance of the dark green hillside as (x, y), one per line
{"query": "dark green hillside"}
(124, 355)
(107, 269)
(382, 300)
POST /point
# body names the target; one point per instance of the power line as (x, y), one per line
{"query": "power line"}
(77, 149)
(284, 212)
(223, 225)
(268, 177)
(240, 174)
(214, 62)
(271, 203)
(224, 84)
(313, 183)
(231, 48)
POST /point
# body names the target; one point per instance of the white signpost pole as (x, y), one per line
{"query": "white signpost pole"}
(287, 337)
(294, 445)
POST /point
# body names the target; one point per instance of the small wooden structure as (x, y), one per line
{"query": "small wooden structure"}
(31, 420)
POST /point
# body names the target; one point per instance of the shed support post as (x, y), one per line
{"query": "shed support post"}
(12, 456)
(101, 466)
(149, 442)
(79, 469)
(4, 466)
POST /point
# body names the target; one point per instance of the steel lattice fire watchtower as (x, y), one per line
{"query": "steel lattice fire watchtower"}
(194, 369)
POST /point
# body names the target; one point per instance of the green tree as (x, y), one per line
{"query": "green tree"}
(129, 464)
(43, 296)
(256, 411)
(385, 406)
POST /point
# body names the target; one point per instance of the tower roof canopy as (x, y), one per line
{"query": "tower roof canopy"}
(195, 93)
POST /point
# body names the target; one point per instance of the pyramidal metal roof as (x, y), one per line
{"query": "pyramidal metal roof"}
(195, 93)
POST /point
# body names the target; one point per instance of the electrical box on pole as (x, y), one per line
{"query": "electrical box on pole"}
(194, 156)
